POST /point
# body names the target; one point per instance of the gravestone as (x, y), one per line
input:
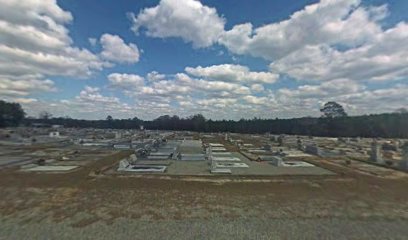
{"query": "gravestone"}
(375, 154)
(389, 147)
(267, 147)
(276, 161)
(118, 135)
(281, 140)
(123, 165)
(132, 159)
(299, 144)
(404, 161)
(313, 149)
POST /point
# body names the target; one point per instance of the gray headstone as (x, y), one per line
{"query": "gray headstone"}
(313, 149)
(123, 165)
(299, 144)
(281, 140)
(267, 147)
(132, 158)
(276, 161)
(375, 154)
(404, 161)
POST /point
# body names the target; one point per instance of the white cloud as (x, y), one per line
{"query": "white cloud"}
(183, 85)
(257, 88)
(329, 40)
(25, 100)
(256, 100)
(116, 50)
(125, 81)
(378, 100)
(357, 99)
(338, 43)
(178, 94)
(35, 45)
(188, 19)
(69, 62)
(155, 76)
(330, 89)
(185, 96)
(34, 40)
(385, 58)
(328, 22)
(217, 102)
(24, 85)
(92, 95)
(211, 86)
(90, 103)
(232, 73)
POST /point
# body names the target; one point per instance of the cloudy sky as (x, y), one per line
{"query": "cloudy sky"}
(227, 59)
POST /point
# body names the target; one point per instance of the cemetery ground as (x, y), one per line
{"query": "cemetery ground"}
(86, 204)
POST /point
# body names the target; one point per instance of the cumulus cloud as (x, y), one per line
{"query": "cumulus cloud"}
(338, 48)
(329, 21)
(181, 84)
(177, 94)
(385, 58)
(218, 103)
(232, 73)
(355, 97)
(155, 76)
(125, 81)
(23, 85)
(211, 86)
(35, 46)
(332, 39)
(184, 95)
(34, 40)
(256, 100)
(89, 104)
(257, 88)
(188, 19)
(25, 100)
(304, 46)
(330, 89)
(92, 94)
(377, 100)
(116, 50)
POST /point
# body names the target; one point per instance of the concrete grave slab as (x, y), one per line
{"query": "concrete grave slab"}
(226, 159)
(218, 149)
(230, 165)
(221, 171)
(50, 168)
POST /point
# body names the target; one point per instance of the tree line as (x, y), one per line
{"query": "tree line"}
(333, 123)
(11, 114)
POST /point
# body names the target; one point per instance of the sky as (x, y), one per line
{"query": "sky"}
(227, 59)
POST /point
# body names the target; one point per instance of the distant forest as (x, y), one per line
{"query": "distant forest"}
(333, 123)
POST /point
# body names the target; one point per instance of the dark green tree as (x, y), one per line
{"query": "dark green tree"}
(11, 114)
(333, 110)
(198, 122)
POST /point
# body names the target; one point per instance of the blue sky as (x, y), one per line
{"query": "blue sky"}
(225, 59)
